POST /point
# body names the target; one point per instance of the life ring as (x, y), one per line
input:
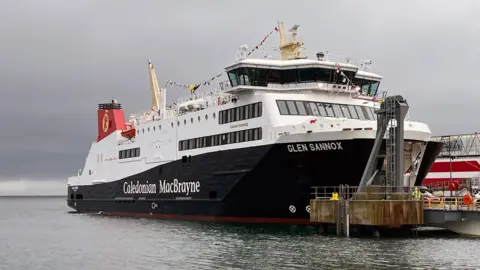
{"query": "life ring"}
(467, 199)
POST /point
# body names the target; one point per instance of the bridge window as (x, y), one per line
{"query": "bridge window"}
(262, 77)
(369, 87)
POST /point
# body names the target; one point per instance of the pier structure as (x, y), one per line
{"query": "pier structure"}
(382, 201)
(378, 209)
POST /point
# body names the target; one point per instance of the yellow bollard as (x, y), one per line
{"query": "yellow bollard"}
(429, 200)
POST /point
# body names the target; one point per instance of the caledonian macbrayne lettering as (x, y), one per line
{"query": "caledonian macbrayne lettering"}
(311, 147)
(163, 187)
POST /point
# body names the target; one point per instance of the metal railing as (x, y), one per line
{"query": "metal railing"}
(463, 199)
(459, 145)
(372, 193)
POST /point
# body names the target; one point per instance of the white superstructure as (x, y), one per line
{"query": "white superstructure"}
(294, 101)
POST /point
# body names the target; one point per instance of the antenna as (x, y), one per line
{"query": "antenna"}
(365, 63)
(241, 53)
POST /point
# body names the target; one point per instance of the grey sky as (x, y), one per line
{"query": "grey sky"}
(58, 59)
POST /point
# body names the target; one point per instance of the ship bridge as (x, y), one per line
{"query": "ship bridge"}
(294, 71)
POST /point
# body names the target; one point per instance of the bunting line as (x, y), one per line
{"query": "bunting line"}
(194, 87)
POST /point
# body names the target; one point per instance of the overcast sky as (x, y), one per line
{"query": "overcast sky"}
(60, 58)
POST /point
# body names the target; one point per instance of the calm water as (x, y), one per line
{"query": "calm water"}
(38, 233)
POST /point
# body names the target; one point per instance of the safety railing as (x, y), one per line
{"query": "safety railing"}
(463, 195)
(462, 200)
(466, 202)
(372, 193)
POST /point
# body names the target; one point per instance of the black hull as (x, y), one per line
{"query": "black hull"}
(431, 153)
(258, 184)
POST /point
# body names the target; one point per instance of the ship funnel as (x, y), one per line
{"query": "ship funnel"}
(110, 118)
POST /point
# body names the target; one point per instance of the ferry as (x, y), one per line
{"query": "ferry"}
(458, 161)
(249, 151)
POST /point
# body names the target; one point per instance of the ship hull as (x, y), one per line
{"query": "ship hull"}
(263, 184)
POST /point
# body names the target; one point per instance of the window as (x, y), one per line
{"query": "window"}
(129, 153)
(369, 113)
(301, 108)
(337, 110)
(329, 109)
(262, 77)
(240, 113)
(345, 111)
(253, 134)
(369, 87)
(314, 109)
(232, 75)
(292, 109)
(296, 107)
(361, 113)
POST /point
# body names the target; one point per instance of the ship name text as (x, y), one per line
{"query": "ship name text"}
(174, 186)
(312, 147)
(239, 125)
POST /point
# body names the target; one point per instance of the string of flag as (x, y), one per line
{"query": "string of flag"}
(194, 87)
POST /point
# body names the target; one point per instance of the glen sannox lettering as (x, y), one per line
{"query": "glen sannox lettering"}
(163, 187)
(311, 147)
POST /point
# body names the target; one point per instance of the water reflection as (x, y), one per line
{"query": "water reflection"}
(46, 237)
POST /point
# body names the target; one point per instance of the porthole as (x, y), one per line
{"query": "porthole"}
(178, 123)
(198, 118)
(159, 127)
(143, 130)
(171, 124)
(148, 129)
(213, 115)
(191, 120)
(206, 116)
(185, 121)
(153, 128)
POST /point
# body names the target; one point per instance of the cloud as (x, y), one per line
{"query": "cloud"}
(60, 59)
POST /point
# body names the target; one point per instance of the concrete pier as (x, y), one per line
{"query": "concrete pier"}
(376, 208)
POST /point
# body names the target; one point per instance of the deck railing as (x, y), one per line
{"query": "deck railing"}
(461, 199)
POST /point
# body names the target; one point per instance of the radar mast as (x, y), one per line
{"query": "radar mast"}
(289, 50)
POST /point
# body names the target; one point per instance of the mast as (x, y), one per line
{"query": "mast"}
(158, 94)
(289, 49)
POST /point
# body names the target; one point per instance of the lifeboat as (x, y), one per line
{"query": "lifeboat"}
(129, 133)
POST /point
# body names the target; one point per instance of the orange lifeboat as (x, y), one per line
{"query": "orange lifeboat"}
(129, 133)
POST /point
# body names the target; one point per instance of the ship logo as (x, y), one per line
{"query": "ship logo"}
(105, 122)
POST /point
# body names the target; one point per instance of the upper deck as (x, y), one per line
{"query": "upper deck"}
(294, 72)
